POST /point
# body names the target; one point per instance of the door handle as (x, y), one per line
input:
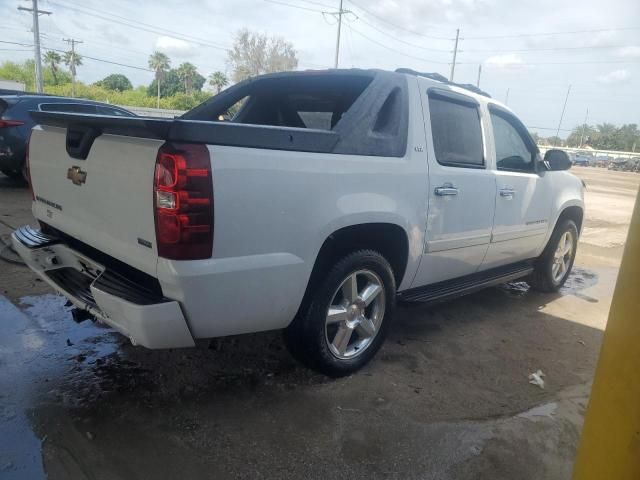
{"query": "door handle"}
(507, 192)
(446, 190)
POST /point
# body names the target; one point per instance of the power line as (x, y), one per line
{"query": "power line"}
(518, 35)
(561, 63)
(83, 56)
(400, 40)
(315, 10)
(310, 2)
(397, 51)
(544, 49)
(143, 27)
(397, 27)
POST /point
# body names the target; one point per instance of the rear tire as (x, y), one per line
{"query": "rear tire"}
(553, 267)
(346, 317)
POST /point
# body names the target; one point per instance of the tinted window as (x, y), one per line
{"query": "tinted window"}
(111, 111)
(457, 137)
(512, 151)
(303, 101)
(68, 108)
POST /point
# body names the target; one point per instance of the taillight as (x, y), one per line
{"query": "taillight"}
(10, 123)
(27, 167)
(183, 200)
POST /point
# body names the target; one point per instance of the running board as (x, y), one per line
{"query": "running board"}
(471, 283)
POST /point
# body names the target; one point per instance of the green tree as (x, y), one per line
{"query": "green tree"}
(218, 80)
(24, 73)
(173, 84)
(159, 63)
(187, 72)
(255, 53)
(72, 60)
(115, 81)
(581, 135)
(53, 59)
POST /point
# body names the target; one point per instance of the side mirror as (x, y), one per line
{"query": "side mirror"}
(557, 160)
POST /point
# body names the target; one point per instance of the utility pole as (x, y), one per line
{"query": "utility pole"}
(506, 98)
(36, 41)
(584, 127)
(479, 73)
(455, 54)
(340, 13)
(72, 64)
(562, 114)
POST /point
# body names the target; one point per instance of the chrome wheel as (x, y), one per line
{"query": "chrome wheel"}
(355, 314)
(562, 257)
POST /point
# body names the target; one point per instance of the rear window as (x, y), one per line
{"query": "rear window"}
(457, 136)
(301, 101)
(68, 108)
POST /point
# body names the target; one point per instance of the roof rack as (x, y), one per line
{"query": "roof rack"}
(441, 78)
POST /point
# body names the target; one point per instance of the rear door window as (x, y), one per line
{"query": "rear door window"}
(68, 108)
(456, 130)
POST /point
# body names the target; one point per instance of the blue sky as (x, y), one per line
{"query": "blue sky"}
(509, 38)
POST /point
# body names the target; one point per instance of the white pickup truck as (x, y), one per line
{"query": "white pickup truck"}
(304, 201)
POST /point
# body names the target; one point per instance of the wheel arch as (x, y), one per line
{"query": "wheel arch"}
(389, 239)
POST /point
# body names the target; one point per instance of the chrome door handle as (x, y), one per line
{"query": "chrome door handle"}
(446, 190)
(507, 192)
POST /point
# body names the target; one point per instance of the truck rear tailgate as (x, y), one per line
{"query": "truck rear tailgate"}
(105, 200)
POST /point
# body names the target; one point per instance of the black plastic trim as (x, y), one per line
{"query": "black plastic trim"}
(118, 278)
(458, 287)
(73, 282)
(354, 134)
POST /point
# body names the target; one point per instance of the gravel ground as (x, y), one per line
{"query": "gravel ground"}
(446, 398)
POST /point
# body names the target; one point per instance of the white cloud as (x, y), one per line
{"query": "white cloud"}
(174, 46)
(510, 60)
(632, 51)
(617, 76)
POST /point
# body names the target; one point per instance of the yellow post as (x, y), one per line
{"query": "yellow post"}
(610, 444)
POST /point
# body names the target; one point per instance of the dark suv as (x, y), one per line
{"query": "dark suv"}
(16, 123)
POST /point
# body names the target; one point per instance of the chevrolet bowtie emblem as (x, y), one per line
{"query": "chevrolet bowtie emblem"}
(76, 175)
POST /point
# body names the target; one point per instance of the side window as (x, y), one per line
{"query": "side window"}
(512, 151)
(457, 136)
(114, 112)
(68, 108)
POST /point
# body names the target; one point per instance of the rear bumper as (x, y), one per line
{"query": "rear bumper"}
(137, 312)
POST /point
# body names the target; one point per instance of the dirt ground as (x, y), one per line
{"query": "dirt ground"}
(447, 397)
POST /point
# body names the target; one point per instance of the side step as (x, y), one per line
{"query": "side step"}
(461, 286)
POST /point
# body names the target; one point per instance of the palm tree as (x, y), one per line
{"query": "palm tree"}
(159, 63)
(72, 60)
(53, 59)
(186, 73)
(218, 80)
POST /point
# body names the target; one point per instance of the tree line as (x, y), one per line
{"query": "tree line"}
(179, 88)
(604, 136)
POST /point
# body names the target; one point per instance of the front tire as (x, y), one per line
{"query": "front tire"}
(346, 317)
(553, 267)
